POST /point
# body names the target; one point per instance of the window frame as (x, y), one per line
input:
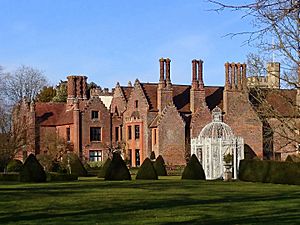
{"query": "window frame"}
(94, 133)
(129, 132)
(93, 113)
(96, 156)
(137, 132)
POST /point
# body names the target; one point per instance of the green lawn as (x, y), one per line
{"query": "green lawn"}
(167, 201)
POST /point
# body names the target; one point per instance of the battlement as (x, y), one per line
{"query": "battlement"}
(271, 80)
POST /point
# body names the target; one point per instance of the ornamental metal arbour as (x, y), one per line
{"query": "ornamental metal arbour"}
(214, 142)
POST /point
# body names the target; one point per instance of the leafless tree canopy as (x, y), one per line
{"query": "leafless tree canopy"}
(25, 82)
(276, 29)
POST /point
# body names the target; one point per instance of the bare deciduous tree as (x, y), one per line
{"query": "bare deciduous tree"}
(25, 82)
(276, 31)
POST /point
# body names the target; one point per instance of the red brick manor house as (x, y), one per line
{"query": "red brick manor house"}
(160, 117)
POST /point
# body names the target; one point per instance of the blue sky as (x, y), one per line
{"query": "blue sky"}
(119, 40)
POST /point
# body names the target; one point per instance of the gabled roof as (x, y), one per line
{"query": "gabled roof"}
(126, 91)
(53, 114)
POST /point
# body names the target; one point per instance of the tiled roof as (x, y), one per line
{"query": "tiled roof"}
(127, 92)
(181, 96)
(53, 114)
(280, 101)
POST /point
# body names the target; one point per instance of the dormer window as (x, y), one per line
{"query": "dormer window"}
(136, 104)
(95, 115)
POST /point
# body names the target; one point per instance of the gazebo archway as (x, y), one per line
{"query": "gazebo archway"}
(214, 142)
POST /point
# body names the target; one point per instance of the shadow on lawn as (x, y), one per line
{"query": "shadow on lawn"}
(121, 211)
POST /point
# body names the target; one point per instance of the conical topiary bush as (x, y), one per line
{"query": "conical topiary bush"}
(146, 171)
(72, 164)
(14, 165)
(32, 171)
(103, 169)
(117, 169)
(159, 166)
(152, 156)
(193, 170)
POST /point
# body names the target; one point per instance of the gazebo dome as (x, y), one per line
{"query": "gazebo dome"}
(216, 129)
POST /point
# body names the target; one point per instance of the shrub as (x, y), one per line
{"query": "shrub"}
(117, 169)
(159, 166)
(32, 171)
(76, 166)
(277, 172)
(293, 158)
(52, 176)
(14, 166)
(193, 170)
(152, 156)
(12, 176)
(146, 171)
(103, 169)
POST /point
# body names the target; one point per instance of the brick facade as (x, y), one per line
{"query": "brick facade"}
(160, 117)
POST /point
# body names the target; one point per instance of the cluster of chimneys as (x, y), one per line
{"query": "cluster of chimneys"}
(77, 87)
(164, 74)
(235, 76)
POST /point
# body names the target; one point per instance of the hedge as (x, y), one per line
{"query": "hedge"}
(14, 165)
(104, 168)
(146, 171)
(159, 166)
(52, 176)
(12, 176)
(193, 170)
(76, 165)
(32, 171)
(277, 172)
(117, 169)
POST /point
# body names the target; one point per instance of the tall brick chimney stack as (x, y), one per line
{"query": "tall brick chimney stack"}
(77, 88)
(168, 70)
(162, 82)
(200, 75)
(235, 80)
(164, 90)
(197, 94)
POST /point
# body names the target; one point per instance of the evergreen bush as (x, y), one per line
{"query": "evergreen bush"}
(267, 171)
(53, 176)
(32, 171)
(14, 165)
(75, 167)
(11, 176)
(152, 156)
(104, 168)
(159, 166)
(117, 169)
(146, 171)
(193, 170)
(293, 158)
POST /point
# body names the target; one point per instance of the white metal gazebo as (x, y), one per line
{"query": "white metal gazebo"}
(214, 141)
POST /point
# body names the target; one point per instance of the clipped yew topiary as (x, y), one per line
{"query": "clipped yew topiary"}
(152, 156)
(193, 170)
(14, 165)
(71, 163)
(146, 171)
(32, 171)
(117, 169)
(293, 158)
(103, 169)
(159, 166)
